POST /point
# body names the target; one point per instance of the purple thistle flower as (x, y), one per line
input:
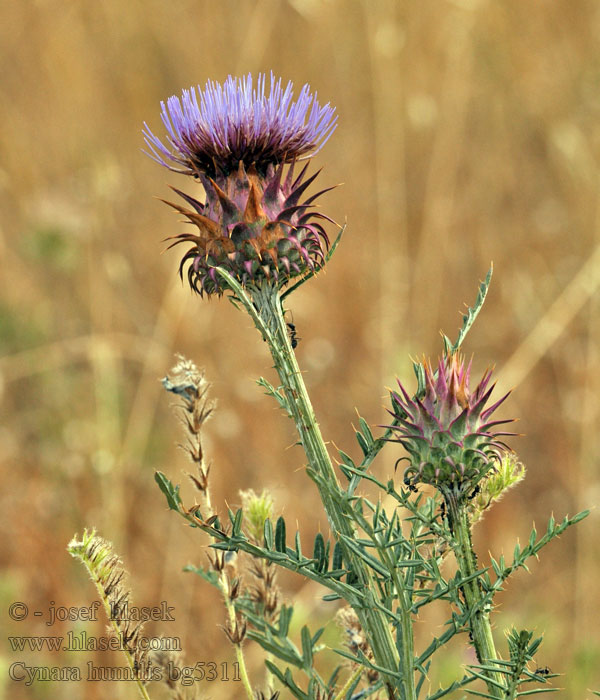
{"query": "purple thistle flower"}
(447, 432)
(212, 130)
(236, 140)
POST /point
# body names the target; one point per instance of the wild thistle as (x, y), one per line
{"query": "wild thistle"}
(453, 445)
(255, 235)
(448, 432)
(236, 139)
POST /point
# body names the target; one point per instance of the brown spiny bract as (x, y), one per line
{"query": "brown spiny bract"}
(254, 226)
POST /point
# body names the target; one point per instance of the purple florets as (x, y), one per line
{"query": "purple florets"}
(212, 130)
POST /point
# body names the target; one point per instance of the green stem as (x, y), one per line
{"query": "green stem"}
(406, 625)
(481, 629)
(373, 621)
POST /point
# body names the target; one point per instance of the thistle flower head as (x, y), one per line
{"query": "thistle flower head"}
(448, 432)
(210, 131)
(236, 140)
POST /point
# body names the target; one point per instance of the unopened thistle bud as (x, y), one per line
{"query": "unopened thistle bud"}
(448, 432)
(236, 139)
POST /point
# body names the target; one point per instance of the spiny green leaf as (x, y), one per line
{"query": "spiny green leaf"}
(275, 393)
(369, 559)
(347, 459)
(472, 312)
(211, 576)
(366, 430)
(364, 445)
(535, 691)
(287, 680)
(171, 492)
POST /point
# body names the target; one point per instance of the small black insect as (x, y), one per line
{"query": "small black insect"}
(474, 492)
(544, 671)
(294, 339)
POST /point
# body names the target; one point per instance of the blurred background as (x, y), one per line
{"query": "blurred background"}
(468, 133)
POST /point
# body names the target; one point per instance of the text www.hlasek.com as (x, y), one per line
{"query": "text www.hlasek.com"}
(83, 642)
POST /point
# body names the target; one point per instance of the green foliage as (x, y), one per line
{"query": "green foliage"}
(385, 563)
(171, 492)
(470, 315)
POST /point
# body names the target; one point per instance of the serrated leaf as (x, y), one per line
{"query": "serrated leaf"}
(473, 311)
(210, 576)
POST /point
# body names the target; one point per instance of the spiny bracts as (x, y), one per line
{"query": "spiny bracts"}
(236, 139)
(254, 227)
(447, 432)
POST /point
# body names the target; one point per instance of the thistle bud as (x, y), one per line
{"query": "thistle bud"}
(448, 432)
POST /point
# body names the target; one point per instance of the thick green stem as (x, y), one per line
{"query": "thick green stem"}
(481, 629)
(373, 621)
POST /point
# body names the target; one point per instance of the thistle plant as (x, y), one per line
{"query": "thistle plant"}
(257, 237)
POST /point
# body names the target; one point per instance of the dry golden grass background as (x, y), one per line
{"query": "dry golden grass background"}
(468, 132)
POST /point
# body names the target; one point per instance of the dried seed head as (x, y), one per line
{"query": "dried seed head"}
(106, 571)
